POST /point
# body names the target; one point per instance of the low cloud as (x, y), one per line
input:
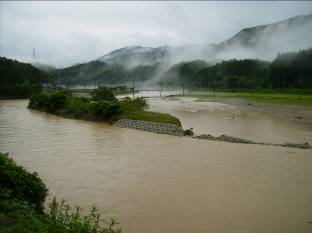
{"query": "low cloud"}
(66, 33)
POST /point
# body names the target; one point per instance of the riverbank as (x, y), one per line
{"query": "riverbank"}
(279, 97)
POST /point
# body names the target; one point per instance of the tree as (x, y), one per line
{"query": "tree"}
(103, 93)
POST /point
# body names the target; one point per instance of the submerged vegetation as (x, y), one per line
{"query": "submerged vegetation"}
(22, 195)
(102, 106)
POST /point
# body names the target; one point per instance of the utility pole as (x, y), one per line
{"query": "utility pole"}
(214, 86)
(183, 88)
(300, 89)
(34, 54)
(133, 87)
(161, 85)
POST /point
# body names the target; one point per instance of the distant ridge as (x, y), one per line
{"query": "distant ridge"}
(263, 42)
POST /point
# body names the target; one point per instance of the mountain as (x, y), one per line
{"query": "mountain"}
(133, 56)
(266, 41)
(144, 64)
(98, 72)
(262, 42)
(91, 73)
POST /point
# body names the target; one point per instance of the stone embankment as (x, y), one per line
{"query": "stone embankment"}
(160, 128)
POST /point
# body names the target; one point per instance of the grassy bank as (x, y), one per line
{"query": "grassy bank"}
(284, 97)
(104, 107)
(150, 116)
(22, 195)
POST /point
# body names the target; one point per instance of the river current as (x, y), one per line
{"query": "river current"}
(160, 183)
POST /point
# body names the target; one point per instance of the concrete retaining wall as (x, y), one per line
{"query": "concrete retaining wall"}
(160, 128)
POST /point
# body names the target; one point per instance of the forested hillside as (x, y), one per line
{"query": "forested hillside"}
(245, 73)
(292, 70)
(96, 72)
(20, 80)
(288, 70)
(90, 73)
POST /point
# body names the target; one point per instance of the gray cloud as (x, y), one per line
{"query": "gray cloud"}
(64, 33)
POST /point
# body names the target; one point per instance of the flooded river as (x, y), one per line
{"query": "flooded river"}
(236, 117)
(159, 183)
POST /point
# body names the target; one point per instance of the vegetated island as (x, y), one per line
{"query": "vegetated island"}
(103, 106)
(22, 197)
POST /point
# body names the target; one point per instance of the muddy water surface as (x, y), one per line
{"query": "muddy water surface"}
(158, 183)
(236, 118)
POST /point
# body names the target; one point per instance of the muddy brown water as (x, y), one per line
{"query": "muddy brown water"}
(159, 183)
(238, 119)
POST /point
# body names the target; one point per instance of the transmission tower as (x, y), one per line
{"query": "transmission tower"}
(34, 54)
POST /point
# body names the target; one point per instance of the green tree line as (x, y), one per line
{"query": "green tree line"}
(20, 80)
(287, 70)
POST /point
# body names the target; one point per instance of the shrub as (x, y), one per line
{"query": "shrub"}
(39, 101)
(136, 104)
(77, 106)
(18, 183)
(63, 218)
(103, 93)
(56, 101)
(106, 109)
(49, 102)
(189, 132)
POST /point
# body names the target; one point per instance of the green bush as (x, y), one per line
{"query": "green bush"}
(79, 107)
(103, 93)
(189, 132)
(16, 182)
(56, 101)
(47, 101)
(39, 101)
(106, 109)
(133, 105)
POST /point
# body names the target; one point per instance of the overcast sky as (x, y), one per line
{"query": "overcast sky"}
(65, 33)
